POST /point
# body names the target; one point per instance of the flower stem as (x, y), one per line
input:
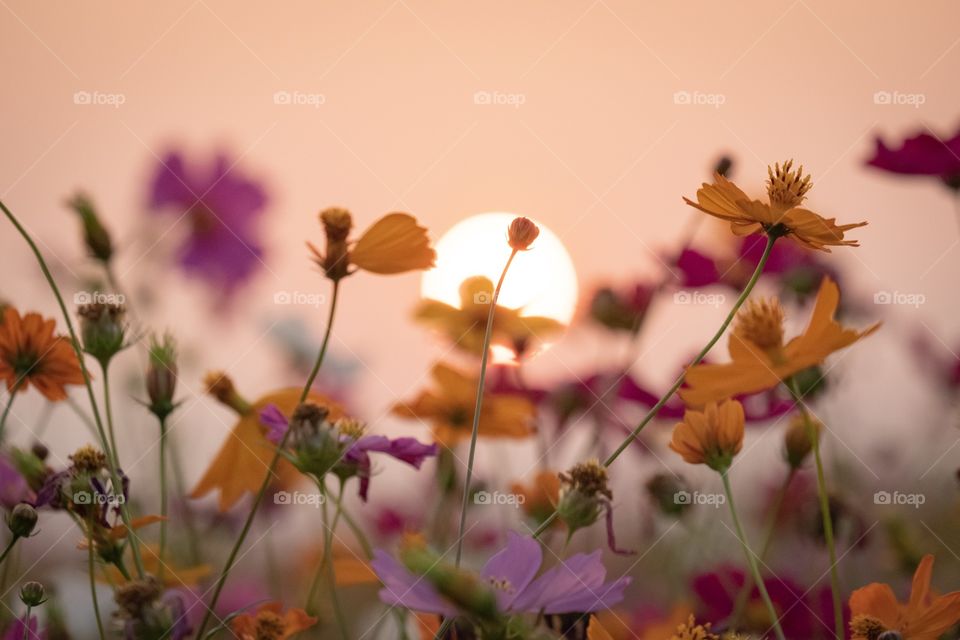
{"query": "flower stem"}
(114, 452)
(75, 343)
(231, 559)
(478, 406)
(651, 414)
(6, 551)
(751, 561)
(315, 585)
(161, 552)
(6, 409)
(824, 509)
(91, 568)
(331, 571)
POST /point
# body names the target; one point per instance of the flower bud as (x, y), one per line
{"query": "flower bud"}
(102, 329)
(337, 223)
(220, 386)
(723, 166)
(135, 596)
(797, 443)
(161, 376)
(470, 595)
(95, 235)
(521, 234)
(315, 442)
(583, 494)
(670, 493)
(32, 594)
(23, 519)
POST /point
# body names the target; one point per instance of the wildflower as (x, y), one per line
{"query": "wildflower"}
(271, 622)
(780, 215)
(797, 443)
(925, 616)
(14, 487)
(244, 459)
(95, 235)
(31, 354)
(161, 376)
(577, 584)
(922, 155)
(32, 594)
(760, 359)
(22, 520)
(449, 409)
(145, 611)
(19, 628)
(102, 330)
(466, 326)
(521, 233)
(393, 244)
(539, 497)
(584, 496)
(711, 437)
(222, 207)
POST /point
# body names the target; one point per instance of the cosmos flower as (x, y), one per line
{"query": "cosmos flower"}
(18, 629)
(222, 208)
(31, 354)
(13, 486)
(760, 359)
(466, 326)
(925, 616)
(922, 155)
(780, 215)
(448, 408)
(540, 497)
(577, 584)
(271, 621)
(711, 437)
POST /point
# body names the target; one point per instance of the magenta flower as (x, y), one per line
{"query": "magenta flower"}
(922, 155)
(222, 208)
(576, 585)
(13, 486)
(18, 629)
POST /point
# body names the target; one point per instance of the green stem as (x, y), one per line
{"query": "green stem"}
(6, 552)
(357, 533)
(655, 409)
(824, 509)
(26, 624)
(478, 405)
(193, 539)
(751, 561)
(6, 409)
(75, 343)
(91, 569)
(331, 571)
(161, 552)
(327, 552)
(114, 451)
(231, 559)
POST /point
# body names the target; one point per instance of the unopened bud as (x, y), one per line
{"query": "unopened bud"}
(797, 443)
(522, 233)
(465, 590)
(220, 386)
(95, 235)
(32, 594)
(161, 376)
(23, 519)
(102, 329)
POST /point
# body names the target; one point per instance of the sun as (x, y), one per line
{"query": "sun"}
(541, 281)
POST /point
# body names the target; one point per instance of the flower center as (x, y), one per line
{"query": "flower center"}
(761, 323)
(202, 219)
(269, 626)
(351, 428)
(24, 362)
(501, 584)
(870, 628)
(787, 188)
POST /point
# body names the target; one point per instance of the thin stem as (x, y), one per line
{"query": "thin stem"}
(655, 409)
(161, 552)
(114, 451)
(75, 343)
(331, 571)
(176, 465)
(357, 533)
(751, 561)
(824, 509)
(6, 409)
(26, 624)
(271, 471)
(91, 569)
(6, 552)
(478, 406)
(315, 585)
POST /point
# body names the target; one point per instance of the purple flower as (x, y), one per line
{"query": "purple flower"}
(576, 584)
(276, 423)
(222, 208)
(922, 155)
(16, 630)
(13, 486)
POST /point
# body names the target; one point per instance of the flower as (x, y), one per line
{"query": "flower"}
(271, 622)
(925, 616)
(584, 495)
(18, 629)
(711, 437)
(102, 330)
(393, 244)
(449, 409)
(797, 443)
(14, 488)
(244, 459)
(760, 360)
(222, 207)
(466, 326)
(922, 155)
(31, 354)
(521, 233)
(622, 310)
(781, 215)
(577, 584)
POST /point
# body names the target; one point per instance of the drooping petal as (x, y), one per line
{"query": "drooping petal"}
(393, 244)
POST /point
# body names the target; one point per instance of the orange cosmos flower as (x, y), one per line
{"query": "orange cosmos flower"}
(760, 359)
(271, 622)
(874, 609)
(393, 244)
(244, 459)
(780, 215)
(467, 326)
(541, 496)
(31, 354)
(448, 408)
(711, 437)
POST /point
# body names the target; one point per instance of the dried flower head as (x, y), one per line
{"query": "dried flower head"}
(88, 459)
(220, 386)
(136, 595)
(521, 233)
(102, 329)
(761, 322)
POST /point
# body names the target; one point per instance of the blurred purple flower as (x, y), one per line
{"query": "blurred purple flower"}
(13, 486)
(576, 584)
(922, 155)
(222, 208)
(17, 628)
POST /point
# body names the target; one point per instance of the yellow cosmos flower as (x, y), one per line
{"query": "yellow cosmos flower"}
(448, 408)
(466, 327)
(711, 437)
(760, 359)
(781, 214)
(874, 609)
(244, 459)
(393, 244)
(271, 622)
